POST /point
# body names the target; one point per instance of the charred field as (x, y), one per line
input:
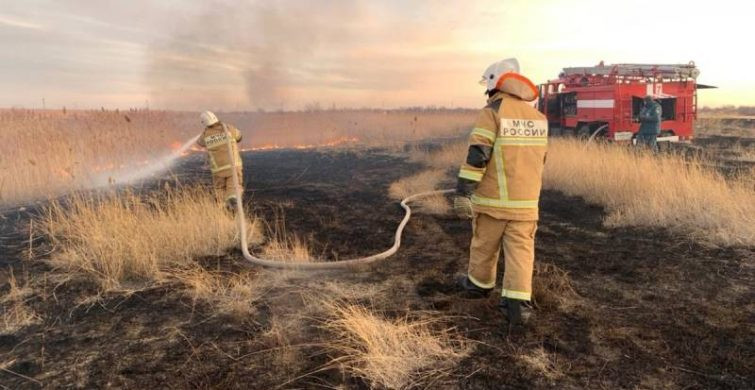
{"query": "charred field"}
(616, 307)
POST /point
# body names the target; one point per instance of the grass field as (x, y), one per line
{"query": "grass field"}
(669, 191)
(125, 240)
(48, 153)
(637, 189)
(641, 280)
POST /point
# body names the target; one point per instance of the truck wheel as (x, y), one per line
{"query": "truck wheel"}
(599, 134)
(583, 132)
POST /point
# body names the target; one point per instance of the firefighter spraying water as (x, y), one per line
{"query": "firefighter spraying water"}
(499, 187)
(221, 141)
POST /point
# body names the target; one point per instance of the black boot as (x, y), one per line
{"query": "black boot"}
(516, 312)
(470, 289)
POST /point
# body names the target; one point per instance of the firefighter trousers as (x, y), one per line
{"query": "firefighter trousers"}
(517, 238)
(224, 186)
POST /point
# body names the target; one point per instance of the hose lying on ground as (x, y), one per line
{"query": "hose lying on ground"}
(302, 264)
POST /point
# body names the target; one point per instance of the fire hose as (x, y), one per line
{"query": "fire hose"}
(305, 264)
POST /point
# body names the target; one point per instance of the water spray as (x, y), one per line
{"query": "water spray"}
(128, 175)
(302, 264)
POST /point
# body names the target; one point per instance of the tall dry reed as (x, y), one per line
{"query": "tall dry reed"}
(664, 190)
(45, 153)
(637, 189)
(123, 238)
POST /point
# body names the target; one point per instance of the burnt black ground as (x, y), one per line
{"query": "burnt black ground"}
(649, 308)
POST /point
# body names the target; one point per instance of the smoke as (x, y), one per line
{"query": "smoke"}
(265, 85)
(281, 54)
(261, 45)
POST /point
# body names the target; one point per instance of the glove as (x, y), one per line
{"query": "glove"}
(463, 207)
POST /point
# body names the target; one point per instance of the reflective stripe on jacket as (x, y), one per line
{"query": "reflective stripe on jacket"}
(217, 143)
(509, 183)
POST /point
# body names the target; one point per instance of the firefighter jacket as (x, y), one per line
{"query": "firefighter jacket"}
(650, 119)
(217, 143)
(504, 166)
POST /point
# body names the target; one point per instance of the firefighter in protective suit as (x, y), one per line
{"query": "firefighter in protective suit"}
(215, 139)
(499, 188)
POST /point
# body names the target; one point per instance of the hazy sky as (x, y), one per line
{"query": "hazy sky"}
(227, 54)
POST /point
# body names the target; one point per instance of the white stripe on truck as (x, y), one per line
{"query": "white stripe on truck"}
(598, 103)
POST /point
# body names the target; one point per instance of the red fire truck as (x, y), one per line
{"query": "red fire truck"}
(605, 100)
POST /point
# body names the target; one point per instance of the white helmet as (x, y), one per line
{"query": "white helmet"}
(208, 118)
(494, 72)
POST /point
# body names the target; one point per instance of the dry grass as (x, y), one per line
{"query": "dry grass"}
(120, 238)
(726, 124)
(14, 311)
(553, 287)
(288, 249)
(394, 354)
(448, 156)
(637, 189)
(441, 162)
(232, 294)
(278, 339)
(284, 246)
(645, 190)
(48, 153)
(422, 182)
(542, 363)
(743, 152)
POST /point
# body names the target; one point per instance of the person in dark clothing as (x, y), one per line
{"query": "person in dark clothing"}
(650, 124)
